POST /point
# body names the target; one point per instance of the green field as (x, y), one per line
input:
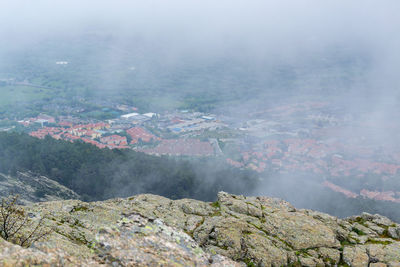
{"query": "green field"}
(18, 101)
(20, 94)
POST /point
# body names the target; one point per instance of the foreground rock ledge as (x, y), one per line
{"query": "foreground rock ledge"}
(150, 230)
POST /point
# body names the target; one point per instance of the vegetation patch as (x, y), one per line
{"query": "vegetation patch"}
(345, 243)
(358, 231)
(216, 204)
(381, 242)
(303, 252)
(385, 234)
(249, 262)
(247, 232)
(217, 213)
(79, 208)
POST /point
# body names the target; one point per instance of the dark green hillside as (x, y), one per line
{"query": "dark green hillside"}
(102, 173)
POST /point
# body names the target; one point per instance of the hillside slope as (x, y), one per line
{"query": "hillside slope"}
(34, 188)
(149, 230)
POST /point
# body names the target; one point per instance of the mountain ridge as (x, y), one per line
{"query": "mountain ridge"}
(150, 230)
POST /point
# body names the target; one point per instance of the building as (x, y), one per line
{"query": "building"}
(150, 115)
(129, 115)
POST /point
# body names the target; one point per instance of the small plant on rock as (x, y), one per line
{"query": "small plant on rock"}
(17, 227)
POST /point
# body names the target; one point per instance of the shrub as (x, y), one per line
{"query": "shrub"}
(17, 227)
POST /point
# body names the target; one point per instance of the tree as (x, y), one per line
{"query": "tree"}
(17, 227)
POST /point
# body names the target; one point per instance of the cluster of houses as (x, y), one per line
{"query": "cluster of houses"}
(274, 140)
(377, 195)
(310, 155)
(386, 195)
(287, 138)
(138, 133)
(115, 141)
(67, 131)
(342, 167)
(177, 147)
(94, 133)
(340, 189)
(120, 133)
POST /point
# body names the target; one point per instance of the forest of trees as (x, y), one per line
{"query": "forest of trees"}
(98, 174)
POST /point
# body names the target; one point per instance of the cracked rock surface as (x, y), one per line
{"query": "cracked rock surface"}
(150, 230)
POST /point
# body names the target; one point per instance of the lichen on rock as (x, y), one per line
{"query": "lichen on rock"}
(149, 230)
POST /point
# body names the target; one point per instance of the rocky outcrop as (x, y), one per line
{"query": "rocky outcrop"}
(34, 188)
(149, 230)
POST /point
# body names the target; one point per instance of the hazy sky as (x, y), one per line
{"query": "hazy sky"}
(271, 32)
(258, 24)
